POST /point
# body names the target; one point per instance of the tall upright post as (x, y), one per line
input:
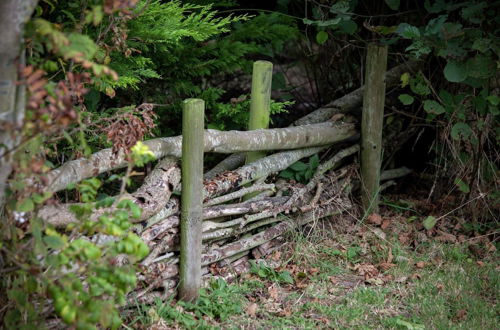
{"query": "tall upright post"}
(371, 126)
(260, 102)
(260, 105)
(193, 114)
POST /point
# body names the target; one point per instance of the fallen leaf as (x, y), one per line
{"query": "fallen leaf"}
(251, 309)
(276, 256)
(461, 314)
(420, 264)
(366, 270)
(285, 312)
(440, 286)
(491, 247)
(313, 270)
(386, 265)
(401, 279)
(385, 224)
(404, 239)
(446, 237)
(416, 276)
(333, 279)
(388, 278)
(273, 292)
(379, 233)
(374, 219)
(375, 281)
(389, 256)
(480, 263)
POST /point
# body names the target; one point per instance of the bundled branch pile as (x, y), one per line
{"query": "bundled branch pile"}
(235, 229)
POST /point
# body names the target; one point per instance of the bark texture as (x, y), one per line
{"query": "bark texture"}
(152, 196)
(215, 141)
(13, 15)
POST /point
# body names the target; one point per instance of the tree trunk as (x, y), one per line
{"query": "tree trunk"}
(13, 15)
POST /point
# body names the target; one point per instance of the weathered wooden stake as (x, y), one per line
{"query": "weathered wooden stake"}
(371, 126)
(260, 105)
(191, 199)
(260, 102)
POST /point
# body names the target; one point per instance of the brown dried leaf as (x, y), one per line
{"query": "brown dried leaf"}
(374, 219)
(386, 265)
(385, 224)
(273, 292)
(420, 264)
(366, 270)
(251, 309)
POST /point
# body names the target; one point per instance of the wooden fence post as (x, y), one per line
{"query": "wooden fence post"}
(371, 126)
(193, 114)
(260, 105)
(260, 102)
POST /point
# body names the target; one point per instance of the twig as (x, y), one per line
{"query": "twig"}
(239, 193)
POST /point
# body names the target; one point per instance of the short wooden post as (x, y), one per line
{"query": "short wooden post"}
(260, 105)
(371, 126)
(191, 199)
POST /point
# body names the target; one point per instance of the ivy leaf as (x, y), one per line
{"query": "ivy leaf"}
(393, 4)
(455, 71)
(462, 186)
(429, 222)
(461, 131)
(406, 99)
(433, 107)
(321, 37)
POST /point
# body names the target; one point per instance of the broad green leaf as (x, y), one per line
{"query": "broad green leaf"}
(435, 26)
(481, 44)
(286, 277)
(321, 37)
(431, 106)
(455, 71)
(408, 31)
(287, 174)
(393, 4)
(26, 205)
(80, 45)
(493, 99)
(481, 66)
(462, 186)
(429, 222)
(53, 242)
(461, 131)
(348, 26)
(406, 99)
(299, 166)
(314, 161)
(474, 13)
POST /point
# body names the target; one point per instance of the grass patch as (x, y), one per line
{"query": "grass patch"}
(433, 285)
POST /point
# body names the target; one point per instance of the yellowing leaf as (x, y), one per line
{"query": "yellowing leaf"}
(405, 79)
